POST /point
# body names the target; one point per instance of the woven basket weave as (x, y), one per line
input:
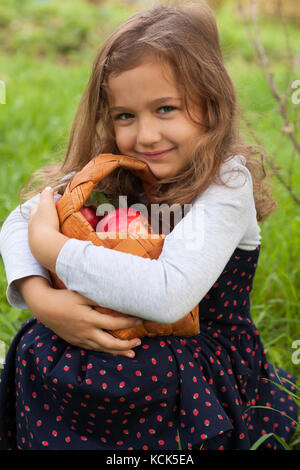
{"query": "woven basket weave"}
(74, 225)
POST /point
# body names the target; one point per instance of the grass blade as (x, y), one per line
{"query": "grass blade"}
(263, 438)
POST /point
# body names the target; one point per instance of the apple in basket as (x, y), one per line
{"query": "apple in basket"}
(89, 213)
(124, 220)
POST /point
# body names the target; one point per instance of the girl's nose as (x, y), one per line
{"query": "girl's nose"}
(148, 132)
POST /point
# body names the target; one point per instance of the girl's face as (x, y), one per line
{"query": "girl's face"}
(150, 119)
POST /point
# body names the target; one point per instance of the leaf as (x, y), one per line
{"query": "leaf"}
(179, 443)
(263, 438)
(270, 408)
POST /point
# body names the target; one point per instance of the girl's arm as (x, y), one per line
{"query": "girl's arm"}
(193, 257)
(17, 257)
(67, 313)
(72, 317)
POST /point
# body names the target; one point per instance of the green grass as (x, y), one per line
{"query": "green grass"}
(46, 70)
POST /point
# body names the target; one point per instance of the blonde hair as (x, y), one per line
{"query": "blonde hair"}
(186, 37)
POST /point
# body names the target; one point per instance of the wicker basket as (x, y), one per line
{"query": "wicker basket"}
(74, 225)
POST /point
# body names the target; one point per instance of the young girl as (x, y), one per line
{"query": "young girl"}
(158, 92)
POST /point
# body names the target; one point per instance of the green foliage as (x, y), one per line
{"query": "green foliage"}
(295, 444)
(54, 28)
(234, 37)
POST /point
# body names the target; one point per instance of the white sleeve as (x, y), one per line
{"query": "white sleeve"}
(17, 257)
(193, 257)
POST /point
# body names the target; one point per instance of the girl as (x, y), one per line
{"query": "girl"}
(158, 92)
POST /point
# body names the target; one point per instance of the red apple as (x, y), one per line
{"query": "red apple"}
(89, 213)
(125, 220)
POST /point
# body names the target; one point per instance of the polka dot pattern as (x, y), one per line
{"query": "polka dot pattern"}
(56, 396)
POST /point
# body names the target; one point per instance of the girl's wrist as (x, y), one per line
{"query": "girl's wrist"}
(36, 291)
(46, 245)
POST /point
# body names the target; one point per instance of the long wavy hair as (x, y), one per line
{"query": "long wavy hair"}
(186, 37)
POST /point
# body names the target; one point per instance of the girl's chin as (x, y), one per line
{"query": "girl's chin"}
(161, 173)
(159, 170)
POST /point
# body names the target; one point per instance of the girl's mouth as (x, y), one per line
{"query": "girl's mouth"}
(156, 155)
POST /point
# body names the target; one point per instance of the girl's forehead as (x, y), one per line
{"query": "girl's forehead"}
(148, 63)
(148, 78)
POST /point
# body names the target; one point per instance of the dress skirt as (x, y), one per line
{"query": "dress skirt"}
(214, 391)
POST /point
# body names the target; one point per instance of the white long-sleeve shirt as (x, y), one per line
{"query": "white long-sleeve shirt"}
(194, 255)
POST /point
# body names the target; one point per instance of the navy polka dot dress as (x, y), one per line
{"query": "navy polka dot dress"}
(198, 392)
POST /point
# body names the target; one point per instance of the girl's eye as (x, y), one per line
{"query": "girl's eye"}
(166, 109)
(124, 116)
(127, 116)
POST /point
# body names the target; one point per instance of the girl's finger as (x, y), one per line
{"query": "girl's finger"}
(33, 209)
(96, 347)
(47, 198)
(47, 192)
(113, 322)
(110, 343)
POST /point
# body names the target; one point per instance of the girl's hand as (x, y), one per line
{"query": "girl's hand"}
(44, 238)
(44, 214)
(72, 317)
(78, 323)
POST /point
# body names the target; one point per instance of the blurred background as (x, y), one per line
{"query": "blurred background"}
(46, 52)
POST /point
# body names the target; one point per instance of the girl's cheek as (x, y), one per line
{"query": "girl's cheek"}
(124, 139)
